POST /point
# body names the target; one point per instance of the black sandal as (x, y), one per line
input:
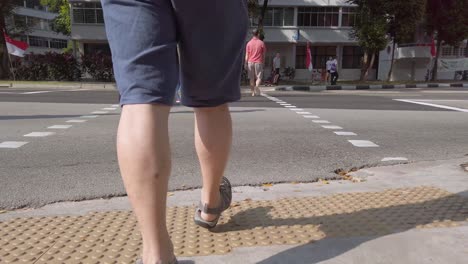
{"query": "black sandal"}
(225, 190)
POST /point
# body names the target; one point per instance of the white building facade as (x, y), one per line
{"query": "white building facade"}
(288, 26)
(40, 37)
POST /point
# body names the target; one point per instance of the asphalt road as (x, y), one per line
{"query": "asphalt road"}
(272, 143)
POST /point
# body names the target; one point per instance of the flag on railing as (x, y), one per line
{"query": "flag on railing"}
(15, 47)
(309, 65)
(433, 48)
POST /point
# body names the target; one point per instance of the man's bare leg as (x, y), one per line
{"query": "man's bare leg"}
(252, 86)
(257, 86)
(145, 163)
(213, 138)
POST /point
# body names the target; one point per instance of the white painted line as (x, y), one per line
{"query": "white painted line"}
(88, 116)
(37, 92)
(433, 105)
(290, 106)
(395, 159)
(283, 104)
(321, 121)
(60, 127)
(280, 102)
(39, 134)
(109, 108)
(363, 143)
(304, 113)
(296, 109)
(75, 90)
(311, 116)
(116, 105)
(332, 127)
(12, 144)
(342, 133)
(76, 121)
(99, 112)
(440, 100)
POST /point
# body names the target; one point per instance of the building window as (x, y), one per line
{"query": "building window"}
(58, 43)
(35, 4)
(38, 42)
(87, 13)
(18, 3)
(19, 21)
(276, 17)
(319, 54)
(318, 16)
(348, 18)
(352, 57)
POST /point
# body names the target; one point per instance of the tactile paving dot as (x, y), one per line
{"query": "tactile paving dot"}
(113, 237)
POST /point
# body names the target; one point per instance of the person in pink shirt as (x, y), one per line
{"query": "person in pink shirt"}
(254, 58)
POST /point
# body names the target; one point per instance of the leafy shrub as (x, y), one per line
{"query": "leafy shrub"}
(98, 65)
(50, 66)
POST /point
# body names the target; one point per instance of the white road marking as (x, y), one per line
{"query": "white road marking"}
(303, 113)
(321, 121)
(395, 159)
(60, 127)
(76, 121)
(12, 144)
(280, 102)
(290, 106)
(296, 109)
(433, 105)
(311, 116)
(332, 127)
(363, 143)
(110, 108)
(88, 116)
(37, 92)
(99, 112)
(342, 133)
(39, 134)
(116, 105)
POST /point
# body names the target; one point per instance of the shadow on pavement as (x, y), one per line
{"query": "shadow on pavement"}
(17, 117)
(232, 111)
(362, 225)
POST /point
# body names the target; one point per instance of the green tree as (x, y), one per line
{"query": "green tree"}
(448, 21)
(403, 17)
(370, 31)
(6, 9)
(62, 22)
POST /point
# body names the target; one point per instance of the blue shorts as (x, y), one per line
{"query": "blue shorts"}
(158, 44)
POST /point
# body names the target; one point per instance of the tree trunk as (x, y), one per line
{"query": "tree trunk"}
(391, 63)
(369, 66)
(434, 69)
(465, 73)
(260, 20)
(4, 59)
(364, 66)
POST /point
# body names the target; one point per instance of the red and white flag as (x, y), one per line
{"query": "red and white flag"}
(15, 47)
(309, 58)
(433, 48)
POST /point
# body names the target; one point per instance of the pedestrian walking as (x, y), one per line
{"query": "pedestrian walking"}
(276, 66)
(143, 37)
(328, 66)
(254, 59)
(334, 71)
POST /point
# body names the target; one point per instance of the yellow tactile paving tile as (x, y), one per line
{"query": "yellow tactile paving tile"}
(112, 237)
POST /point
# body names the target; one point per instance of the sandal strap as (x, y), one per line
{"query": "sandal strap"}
(205, 209)
(226, 198)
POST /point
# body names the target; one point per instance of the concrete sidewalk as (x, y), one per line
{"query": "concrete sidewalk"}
(407, 213)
